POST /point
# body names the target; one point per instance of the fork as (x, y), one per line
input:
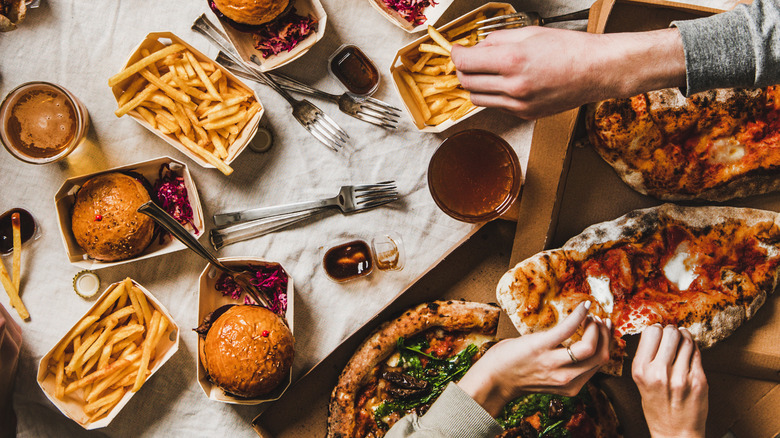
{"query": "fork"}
(367, 109)
(242, 277)
(523, 19)
(350, 199)
(319, 125)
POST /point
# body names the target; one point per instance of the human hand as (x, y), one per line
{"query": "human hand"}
(667, 370)
(537, 362)
(537, 71)
(10, 347)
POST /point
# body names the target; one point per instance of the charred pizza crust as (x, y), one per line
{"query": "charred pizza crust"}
(449, 315)
(531, 292)
(716, 145)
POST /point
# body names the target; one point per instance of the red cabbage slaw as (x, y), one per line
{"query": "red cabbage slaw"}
(411, 10)
(270, 279)
(172, 196)
(283, 34)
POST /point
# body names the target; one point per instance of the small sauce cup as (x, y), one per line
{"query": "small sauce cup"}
(474, 176)
(356, 72)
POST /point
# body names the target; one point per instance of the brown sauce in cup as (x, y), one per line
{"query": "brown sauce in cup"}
(347, 261)
(27, 228)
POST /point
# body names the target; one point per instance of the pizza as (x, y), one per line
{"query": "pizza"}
(405, 364)
(716, 145)
(707, 269)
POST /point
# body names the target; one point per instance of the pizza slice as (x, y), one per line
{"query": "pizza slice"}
(406, 363)
(716, 145)
(707, 269)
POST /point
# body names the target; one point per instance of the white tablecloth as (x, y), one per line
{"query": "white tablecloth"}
(79, 44)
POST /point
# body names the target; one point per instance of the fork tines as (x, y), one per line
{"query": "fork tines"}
(327, 131)
(374, 195)
(509, 21)
(378, 113)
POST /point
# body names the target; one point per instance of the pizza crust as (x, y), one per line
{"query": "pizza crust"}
(518, 290)
(450, 315)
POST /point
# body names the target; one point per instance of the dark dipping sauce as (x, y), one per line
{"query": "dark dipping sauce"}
(474, 176)
(353, 68)
(27, 228)
(347, 261)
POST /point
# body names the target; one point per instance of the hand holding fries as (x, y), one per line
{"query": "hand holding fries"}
(110, 352)
(189, 100)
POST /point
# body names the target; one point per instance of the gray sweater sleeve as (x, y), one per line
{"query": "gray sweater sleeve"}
(739, 48)
(453, 415)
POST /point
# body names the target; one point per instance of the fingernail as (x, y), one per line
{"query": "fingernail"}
(658, 324)
(609, 323)
(586, 304)
(598, 318)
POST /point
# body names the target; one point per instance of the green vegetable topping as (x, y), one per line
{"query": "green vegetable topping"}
(553, 421)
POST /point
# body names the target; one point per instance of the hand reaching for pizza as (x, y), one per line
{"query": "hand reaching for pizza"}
(667, 370)
(537, 71)
(538, 363)
(10, 344)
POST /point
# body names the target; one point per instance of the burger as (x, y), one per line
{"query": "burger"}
(246, 350)
(105, 222)
(250, 15)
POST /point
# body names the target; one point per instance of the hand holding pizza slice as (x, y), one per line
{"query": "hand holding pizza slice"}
(707, 269)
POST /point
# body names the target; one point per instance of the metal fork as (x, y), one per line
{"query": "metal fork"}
(523, 19)
(367, 109)
(319, 125)
(350, 199)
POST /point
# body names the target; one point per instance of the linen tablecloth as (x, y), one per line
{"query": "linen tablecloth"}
(79, 44)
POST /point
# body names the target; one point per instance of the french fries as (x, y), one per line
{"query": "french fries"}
(188, 99)
(110, 352)
(428, 73)
(11, 285)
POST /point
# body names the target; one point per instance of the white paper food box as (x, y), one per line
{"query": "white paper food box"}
(400, 85)
(245, 45)
(432, 14)
(157, 40)
(66, 197)
(72, 406)
(209, 300)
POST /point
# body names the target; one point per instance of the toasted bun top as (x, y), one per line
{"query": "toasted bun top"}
(105, 222)
(252, 12)
(248, 351)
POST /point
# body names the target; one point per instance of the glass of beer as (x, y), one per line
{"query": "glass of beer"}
(42, 122)
(475, 176)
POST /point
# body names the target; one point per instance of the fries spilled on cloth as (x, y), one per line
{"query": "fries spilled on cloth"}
(425, 74)
(108, 355)
(188, 100)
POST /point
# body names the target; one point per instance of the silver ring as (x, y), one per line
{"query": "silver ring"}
(571, 355)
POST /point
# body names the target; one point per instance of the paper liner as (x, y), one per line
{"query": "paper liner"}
(400, 85)
(71, 406)
(209, 300)
(432, 14)
(245, 44)
(66, 197)
(153, 42)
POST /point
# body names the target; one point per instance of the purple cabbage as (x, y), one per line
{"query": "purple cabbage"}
(411, 10)
(172, 196)
(271, 280)
(283, 34)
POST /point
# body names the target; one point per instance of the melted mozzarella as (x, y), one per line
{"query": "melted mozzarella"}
(726, 151)
(599, 288)
(679, 269)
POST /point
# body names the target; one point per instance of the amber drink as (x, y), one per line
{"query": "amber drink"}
(42, 122)
(474, 176)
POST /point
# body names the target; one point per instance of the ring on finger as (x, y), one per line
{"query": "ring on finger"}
(571, 355)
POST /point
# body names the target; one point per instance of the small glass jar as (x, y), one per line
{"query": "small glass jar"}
(41, 122)
(356, 258)
(354, 70)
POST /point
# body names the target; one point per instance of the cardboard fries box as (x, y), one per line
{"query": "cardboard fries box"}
(209, 300)
(66, 197)
(157, 40)
(432, 14)
(402, 89)
(245, 46)
(71, 406)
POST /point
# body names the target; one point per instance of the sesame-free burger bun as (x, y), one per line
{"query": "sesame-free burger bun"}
(248, 351)
(105, 222)
(251, 12)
